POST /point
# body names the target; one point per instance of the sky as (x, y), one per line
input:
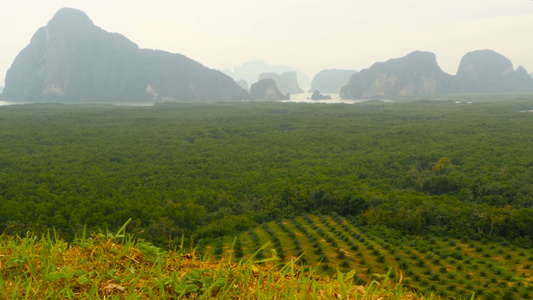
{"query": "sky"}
(309, 35)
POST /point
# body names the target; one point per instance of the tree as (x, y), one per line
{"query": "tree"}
(521, 222)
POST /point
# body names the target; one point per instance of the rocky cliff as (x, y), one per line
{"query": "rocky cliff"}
(486, 71)
(480, 71)
(287, 82)
(266, 90)
(318, 96)
(413, 74)
(72, 60)
(331, 81)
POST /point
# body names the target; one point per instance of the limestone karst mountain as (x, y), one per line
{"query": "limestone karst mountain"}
(480, 71)
(266, 90)
(72, 60)
(415, 73)
(486, 71)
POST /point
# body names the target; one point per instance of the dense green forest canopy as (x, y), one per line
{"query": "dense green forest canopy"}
(209, 169)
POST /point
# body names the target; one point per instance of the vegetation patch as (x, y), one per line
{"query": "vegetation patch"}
(119, 267)
(423, 265)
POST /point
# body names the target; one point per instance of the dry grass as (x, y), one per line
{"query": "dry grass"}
(117, 267)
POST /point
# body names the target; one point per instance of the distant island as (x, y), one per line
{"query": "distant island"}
(287, 82)
(251, 72)
(318, 96)
(267, 90)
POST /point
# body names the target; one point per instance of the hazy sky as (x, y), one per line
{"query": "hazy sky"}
(308, 35)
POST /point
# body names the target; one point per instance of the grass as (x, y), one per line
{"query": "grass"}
(116, 266)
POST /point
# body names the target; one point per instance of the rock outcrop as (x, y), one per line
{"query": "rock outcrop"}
(72, 60)
(266, 90)
(413, 74)
(287, 82)
(1, 89)
(486, 71)
(318, 96)
(331, 81)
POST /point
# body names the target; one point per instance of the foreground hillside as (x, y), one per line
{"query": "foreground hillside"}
(456, 171)
(111, 267)
(447, 267)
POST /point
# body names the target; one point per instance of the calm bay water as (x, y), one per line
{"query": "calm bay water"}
(306, 98)
(2, 103)
(295, 98)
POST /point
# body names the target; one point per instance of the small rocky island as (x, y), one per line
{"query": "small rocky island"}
(267, 90)
(287, 82)
(317, 96)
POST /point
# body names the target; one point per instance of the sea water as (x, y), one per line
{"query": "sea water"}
(3, 103)
(295, 98)
(335, 98)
